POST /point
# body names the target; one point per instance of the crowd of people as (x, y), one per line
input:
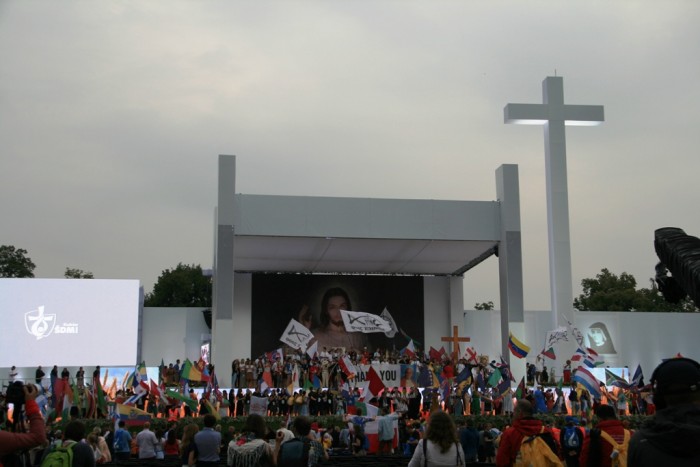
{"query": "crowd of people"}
(431, 438)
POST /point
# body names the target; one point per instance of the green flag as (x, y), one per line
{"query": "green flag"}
(191, 403)
(495, 378)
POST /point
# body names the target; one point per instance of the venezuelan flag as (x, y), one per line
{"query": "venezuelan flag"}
(517, 348)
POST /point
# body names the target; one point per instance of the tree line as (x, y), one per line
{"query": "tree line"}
(187, 286)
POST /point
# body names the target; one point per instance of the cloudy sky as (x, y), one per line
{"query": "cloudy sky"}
(112, 115)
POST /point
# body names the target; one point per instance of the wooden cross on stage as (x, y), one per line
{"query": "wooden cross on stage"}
(455, 340)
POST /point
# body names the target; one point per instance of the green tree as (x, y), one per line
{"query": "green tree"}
(74, 273)
(484, 306)
(14, 262)
(183, 286)
(610, 292)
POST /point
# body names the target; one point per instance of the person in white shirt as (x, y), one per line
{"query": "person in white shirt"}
(441, 446)
(148, 442)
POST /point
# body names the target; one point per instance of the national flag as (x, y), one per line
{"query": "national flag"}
(590, 382)
(294, 383)
(360, 321)
(494, 378)
(275, 355)
(386, 316)
(296, 335)
(472, 357)
(521, 390)
(434, 353)
(505, 371)
(212, 409)
(503, 387)
(425, 378)
(203, 368)
(445, 388)
(480, 382)
(463, 375)
(611, 379)
(409, 350)
(134, 398)
(67, 401)
(516, 347)
(267, 378)
(375, 386)
(316, 382)
(592, 359)
(191, 403)
(190, 372)
(131, 415)
(638, 378)
(549, 353)
(347, 366)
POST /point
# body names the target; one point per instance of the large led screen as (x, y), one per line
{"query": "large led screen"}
(277, 298)
(68, 322)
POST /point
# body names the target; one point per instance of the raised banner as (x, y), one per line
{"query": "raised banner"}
(359, 321)
(258, 405)
(392, 375)
(296, 335)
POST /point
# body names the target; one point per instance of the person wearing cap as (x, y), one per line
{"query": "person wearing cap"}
(673, 436)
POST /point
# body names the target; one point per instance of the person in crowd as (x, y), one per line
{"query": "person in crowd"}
(38, 375)
(286, 447)
(524, 424)
(440, 445)
(571, 442)
(147, 442)
(122, 442)
(188, 448)
(255, 450)
(331, 332)
(14, 442)
(208, 442)
(171, 446)
(102, 445)
(597, 447)
(673, 434)
(469, 439)
(82, 454)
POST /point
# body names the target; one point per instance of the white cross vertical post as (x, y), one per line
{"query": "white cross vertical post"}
(554, 115)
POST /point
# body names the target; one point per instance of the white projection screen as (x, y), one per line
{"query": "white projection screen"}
(69, 322)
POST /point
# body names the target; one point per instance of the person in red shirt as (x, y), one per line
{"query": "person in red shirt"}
(594, 446)
(14, 442)
(523, 425)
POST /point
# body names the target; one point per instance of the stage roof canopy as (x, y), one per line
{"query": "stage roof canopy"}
(362, 235)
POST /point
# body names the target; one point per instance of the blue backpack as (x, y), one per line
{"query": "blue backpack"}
(571, 438)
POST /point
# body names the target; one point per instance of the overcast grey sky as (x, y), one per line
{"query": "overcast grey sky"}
(112, 115)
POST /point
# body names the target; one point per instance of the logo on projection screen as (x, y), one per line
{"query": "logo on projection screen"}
(41, 325)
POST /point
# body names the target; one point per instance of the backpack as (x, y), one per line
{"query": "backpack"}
(571, 440)
(294, 453)
(538, 451)
(59, 456)
(619, 453)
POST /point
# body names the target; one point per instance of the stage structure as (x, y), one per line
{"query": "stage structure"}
(438, 241)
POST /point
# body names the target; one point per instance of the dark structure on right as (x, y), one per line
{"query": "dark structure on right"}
(679, 254)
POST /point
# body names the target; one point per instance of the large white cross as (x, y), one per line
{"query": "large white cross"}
(554, 115)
